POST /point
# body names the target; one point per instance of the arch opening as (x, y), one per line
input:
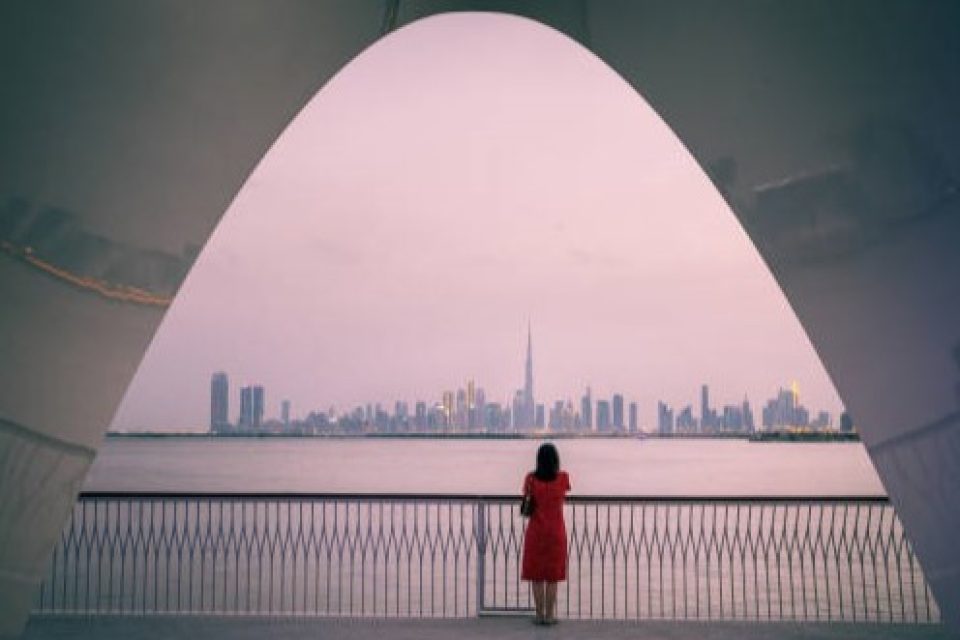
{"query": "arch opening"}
(466, 176)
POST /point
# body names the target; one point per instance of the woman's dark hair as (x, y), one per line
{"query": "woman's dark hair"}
(548, 462)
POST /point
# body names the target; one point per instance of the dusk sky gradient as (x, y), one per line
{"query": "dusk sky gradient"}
(466, 175)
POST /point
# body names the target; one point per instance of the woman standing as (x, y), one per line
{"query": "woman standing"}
(545, 542)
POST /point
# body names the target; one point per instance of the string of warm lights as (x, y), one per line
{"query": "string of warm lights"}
(119, 292)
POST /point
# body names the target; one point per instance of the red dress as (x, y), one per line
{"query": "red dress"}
(545, 541)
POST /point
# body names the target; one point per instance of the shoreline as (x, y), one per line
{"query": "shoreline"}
(375, 436)
(761, 437)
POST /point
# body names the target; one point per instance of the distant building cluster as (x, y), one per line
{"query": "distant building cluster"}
(251, 406)
(467, 410)
(732, 418)
(784, 412)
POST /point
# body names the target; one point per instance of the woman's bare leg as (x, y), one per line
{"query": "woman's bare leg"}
(550, 604)
(539, 599)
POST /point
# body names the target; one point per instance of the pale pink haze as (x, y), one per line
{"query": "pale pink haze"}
(466, 175)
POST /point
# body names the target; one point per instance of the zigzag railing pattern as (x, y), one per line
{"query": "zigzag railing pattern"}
(755, 558)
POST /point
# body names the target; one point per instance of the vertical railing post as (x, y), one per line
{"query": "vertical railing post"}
(481, 525)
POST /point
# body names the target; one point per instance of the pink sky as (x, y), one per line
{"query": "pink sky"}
(466, 175)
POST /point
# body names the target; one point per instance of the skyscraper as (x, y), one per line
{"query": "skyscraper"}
(686, 423)
(219, 401)
(603, 415)
(783, 411)
(586, 410)
(633, 417)
(480, 411)
(258, 400)
(285, 412)
(556, 416)
(471, 419)
(246, 408)
(460, 413)
(618, 412)
(420, 415)
(528, 405)
(517, 411)
(846, 423)
(706, 419)
(748, 423)
(447, 408)
(665, 418)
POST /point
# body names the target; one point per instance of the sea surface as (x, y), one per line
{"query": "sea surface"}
(651, 467)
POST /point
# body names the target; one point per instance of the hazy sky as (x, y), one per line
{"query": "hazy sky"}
(464, 176)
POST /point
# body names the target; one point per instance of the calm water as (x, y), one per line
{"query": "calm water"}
(597, 467)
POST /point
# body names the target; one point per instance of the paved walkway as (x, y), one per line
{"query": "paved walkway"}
(157, 628)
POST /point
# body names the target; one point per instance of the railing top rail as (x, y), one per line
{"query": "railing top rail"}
(471, 497)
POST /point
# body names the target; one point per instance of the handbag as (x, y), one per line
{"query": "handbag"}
(527, 505)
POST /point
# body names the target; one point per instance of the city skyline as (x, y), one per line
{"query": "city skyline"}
(253, 410)
(465, 409)
(781, 411)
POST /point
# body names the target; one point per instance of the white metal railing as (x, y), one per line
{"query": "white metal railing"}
(744, 558)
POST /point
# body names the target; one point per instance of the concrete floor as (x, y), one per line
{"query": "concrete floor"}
(156, 628)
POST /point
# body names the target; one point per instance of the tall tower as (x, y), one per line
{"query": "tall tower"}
(246, 408)
(258, 400)
(586, 411)
(529, 405)
(219, 401)
(706, 420)
(618, 412)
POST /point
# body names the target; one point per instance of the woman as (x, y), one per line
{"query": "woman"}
(545, 542)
